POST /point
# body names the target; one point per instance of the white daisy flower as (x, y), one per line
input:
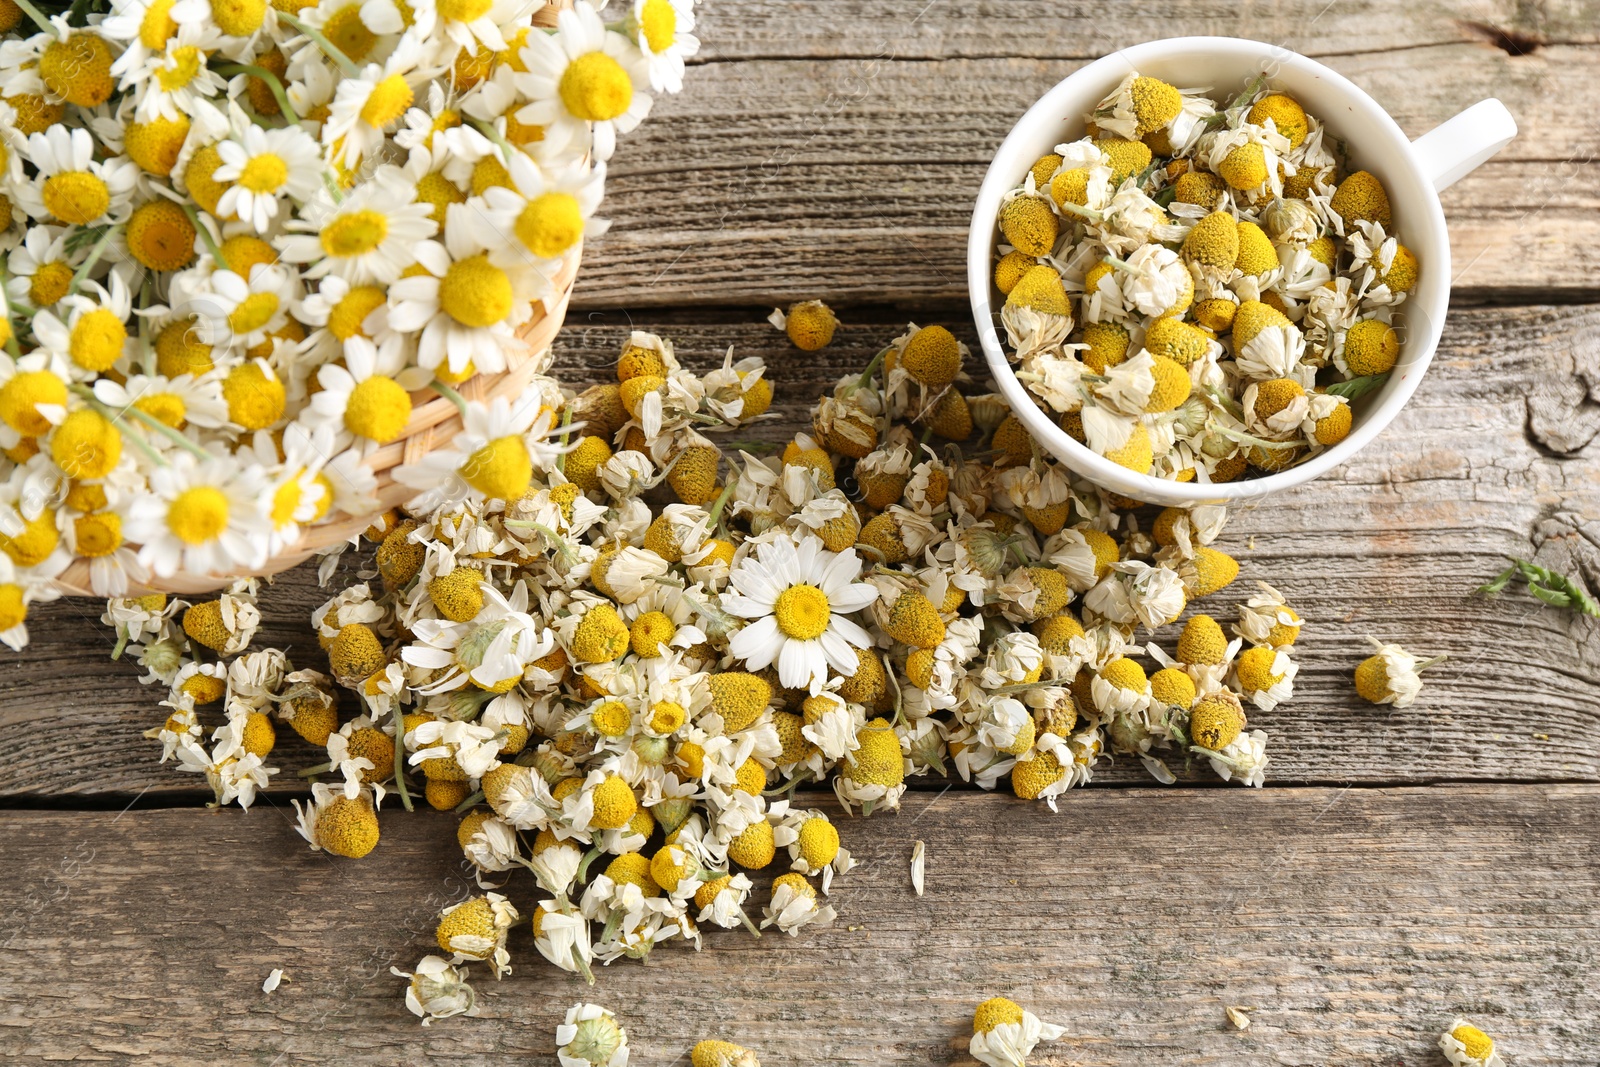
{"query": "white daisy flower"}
(354, 486)
(495, 100)
(662, 31)
(17, 591)
(176, 402)
(494, 456)
(368, 236)
(297, 493)
(1007, 1034)
(585, 78)
(260, 166)
(41, 267)
(1464, 1045)
(542, 217)
(70, 185)
(365, 107)
(797, 595)
(94, 337)
(234, 314)
(368, 398)
(466, 308)
(451, 25)
(169, 83)
(201, 516)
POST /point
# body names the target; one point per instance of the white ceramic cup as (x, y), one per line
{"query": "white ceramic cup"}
(1413, 172)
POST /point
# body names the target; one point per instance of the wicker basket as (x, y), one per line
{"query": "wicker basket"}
(434, 421)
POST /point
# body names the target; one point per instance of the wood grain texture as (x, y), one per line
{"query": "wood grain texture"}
(1493, 456)
(847, 168)
(1356, 923)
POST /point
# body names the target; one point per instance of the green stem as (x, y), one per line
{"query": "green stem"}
(1088, 214)
(566, 433)
(505, 146)
(333, 52)
(451, 395)
(312, 772)
(144, 417)
(77, 14)
(122, 642)
(469, 803)
(872, 368)
(39, 18)
(136, 440)
(400, 759)
(1113, 261)
(95, 253)
(205, 235)
(271, 81)
(714, 516)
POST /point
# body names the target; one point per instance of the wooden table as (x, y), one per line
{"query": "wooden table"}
(1400, 868)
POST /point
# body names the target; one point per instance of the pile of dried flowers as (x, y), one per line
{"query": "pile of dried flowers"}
(243, 239)
(621, 693)
(1234, 287)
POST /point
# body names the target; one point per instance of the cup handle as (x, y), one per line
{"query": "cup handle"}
(1460, 145)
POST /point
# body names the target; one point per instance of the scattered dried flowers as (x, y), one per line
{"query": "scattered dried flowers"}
(242, 241)
(1199, 291)
(591, 1037)
(1391, 675)
(1004, 1033)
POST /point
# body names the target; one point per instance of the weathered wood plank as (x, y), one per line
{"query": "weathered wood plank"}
(1493, 457)
(1048, 29)
(1356, 923)
(783, 179)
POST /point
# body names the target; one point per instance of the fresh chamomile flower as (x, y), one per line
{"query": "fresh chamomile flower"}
(1464, 1045)
(493, 457)
(541, 216)
(262, 166)
(174, 79)
(94, 336)
(590, 1036)
(438, 990)
(366, 235)
(235, 313)
(175, 402)
(365, 106)
(664, 35)
(200, 516)
(42, 266)
(1004, 1034)
(586, 79)
(70, 185)
(464, 308)
(1391, 675)
(368, 399)
(17, 591)
(797, 594)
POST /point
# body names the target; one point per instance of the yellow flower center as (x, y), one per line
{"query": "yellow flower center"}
(448, 119)
(387, 102)
(594, 87)
(35, 542)
(611, 719)
(489, 173)
(253, 312)
(166, 408)
(75, 197)
(464, 10)
(97, 340)
(286, 501)
(324, 501)
(198, 176)
(239, 18)
(184, 67)
(378, 409)
(78, 69)
(13, 610)
(99, 534)
(160, 236)
(158, 25)
(179, 350)
(660, 25)
(550, 224)
(345, 320)
(255, 400)
(348, 33)
(265, 173)
(86, 445)
(441, 192)
(802, 612)
(49, 283)
(475, 292)
(35, 114)
(355, 234)
(86, 496)
(198, 515)
(21, 396)
(1474, 1042)
(666, 716)
(501, 469)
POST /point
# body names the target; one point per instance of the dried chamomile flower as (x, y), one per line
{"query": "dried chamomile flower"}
(1464, 1045)
(712, 1053)
(476, 928)
(809, 324)
(590, 1036)
(1004, 1033)
(1391, 675)
(438, 990)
